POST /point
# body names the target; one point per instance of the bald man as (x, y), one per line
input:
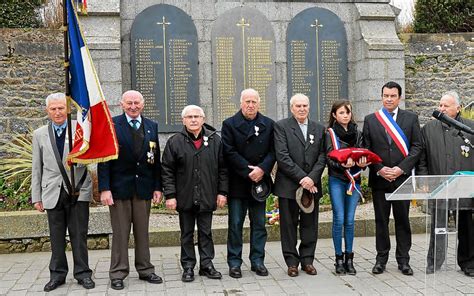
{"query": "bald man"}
(127, 185)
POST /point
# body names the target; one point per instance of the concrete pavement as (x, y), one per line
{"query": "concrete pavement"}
(26, 274)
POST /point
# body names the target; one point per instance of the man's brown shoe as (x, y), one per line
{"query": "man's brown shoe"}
(309, 269)
(293, 271)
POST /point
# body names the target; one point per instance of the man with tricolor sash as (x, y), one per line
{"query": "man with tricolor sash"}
(394, 135)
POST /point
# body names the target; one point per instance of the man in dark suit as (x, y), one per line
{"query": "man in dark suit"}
(393, 134)
(127, 186)
(50, 191)
(247, 138)
(301, 158)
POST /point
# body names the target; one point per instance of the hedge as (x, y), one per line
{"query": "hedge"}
(443, 16)
(20, 13)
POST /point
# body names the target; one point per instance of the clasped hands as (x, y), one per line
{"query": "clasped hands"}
(390, 174)
(362, 162)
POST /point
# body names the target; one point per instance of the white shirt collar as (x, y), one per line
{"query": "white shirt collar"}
(139, 118)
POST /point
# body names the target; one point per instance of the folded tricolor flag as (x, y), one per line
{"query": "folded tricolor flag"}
(95, 139)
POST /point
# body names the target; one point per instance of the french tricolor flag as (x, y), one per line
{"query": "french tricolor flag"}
(94, 139)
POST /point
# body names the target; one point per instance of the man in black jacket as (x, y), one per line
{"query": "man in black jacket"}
(301, 158)
(247, 138)
(195, 184)
(445, 153)
(394, 135)
(127, 185)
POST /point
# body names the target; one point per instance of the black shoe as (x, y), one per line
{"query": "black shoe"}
(260, 270)
(116, 284)
(235, 272)
(188, 275)
(87, 283)
(405, 268)
(468, 271)
(152, 278)
(210, 272)
(339, 264)
(378, 268)
(349, 263)
(53, 284)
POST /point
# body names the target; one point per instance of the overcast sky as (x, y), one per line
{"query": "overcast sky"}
(407, 7)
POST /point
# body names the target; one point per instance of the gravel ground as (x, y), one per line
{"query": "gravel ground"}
(165, 220)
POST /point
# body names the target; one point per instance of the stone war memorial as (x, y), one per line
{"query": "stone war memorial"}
(206, 52)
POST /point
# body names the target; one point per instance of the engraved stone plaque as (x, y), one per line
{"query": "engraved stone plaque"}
(243, 56)
(164, 60)
(317, 60)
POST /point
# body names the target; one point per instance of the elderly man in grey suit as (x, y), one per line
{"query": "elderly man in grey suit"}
(301, 158)
(50, 188)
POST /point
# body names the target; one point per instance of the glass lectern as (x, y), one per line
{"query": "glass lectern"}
(440, 197)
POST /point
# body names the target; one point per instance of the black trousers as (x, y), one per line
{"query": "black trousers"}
(74, 218)
(187, 221)
(290, 217)
(382, 209)
(465, 239)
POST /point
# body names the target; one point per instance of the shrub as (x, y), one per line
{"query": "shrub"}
(19, 13)
(443, 16)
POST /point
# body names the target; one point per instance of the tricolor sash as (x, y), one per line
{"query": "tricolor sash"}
(393, 130)
(353, 173)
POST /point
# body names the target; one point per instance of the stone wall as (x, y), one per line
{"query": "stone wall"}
(434, 64)
(31, 67)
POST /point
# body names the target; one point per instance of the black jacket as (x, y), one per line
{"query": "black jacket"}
(194, 176)
(376, 140)
(130, 175)
(335, 169)
(243, 148)
(298, 158)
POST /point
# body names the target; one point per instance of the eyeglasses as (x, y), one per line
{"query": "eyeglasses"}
(193, 116)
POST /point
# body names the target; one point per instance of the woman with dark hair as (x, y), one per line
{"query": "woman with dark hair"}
(344, 182)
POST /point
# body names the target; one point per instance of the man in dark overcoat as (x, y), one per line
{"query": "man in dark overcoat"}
(301, 158)
(247, 138)
(195, 183)
(445, 153)
(127, 185)
(394, 135)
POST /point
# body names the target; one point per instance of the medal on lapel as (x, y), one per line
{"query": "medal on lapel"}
(256, 130)
(311, 139)
(206, 139)
(151, 154)
(465, 150)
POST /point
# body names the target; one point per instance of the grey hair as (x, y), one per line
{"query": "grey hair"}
(298, 96)
(453, 95)
(249, 91)
(192, 107)
(55, 97)
(132, 93)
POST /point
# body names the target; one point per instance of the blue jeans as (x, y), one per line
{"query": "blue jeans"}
(258, 234)
(343, 212)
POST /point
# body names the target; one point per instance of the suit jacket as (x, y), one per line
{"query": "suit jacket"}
(129, 175)
(243, 148)
(46, 178)
(376, 140)
(297, 158)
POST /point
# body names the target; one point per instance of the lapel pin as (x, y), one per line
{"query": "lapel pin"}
(311, 139)
(205, 140)
(256, 130)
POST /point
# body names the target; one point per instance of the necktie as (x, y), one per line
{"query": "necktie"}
(388, 136)
(59, 131)
(134, 124)
(391, 113)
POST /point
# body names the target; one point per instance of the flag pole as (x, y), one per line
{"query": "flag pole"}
(68, 93)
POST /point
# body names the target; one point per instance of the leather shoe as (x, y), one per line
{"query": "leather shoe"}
(188, 275)
(116, 284)
(235, 272)
(152, 278)
(87, 283)
(405, 268)
(210, 272)
(293, 271)
(468, 271)
(260, 270)
(309, 269)
(378, 268)
(53, 284)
